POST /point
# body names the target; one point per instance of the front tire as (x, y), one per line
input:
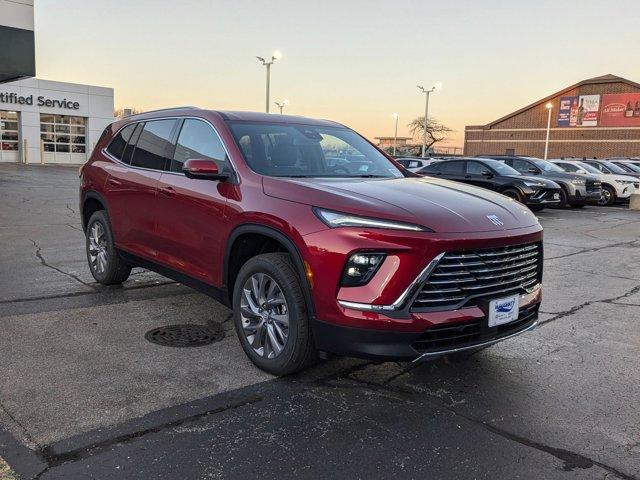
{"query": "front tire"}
(608, 196)
(513, 193)
(564, 198)
(104, 261)
(270, 315)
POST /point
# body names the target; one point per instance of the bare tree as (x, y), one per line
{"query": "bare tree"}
(436, 131)
(119, 113)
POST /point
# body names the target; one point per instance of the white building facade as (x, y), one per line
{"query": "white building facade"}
(43, 121)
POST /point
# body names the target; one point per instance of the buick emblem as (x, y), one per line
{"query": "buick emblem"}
(495, 220)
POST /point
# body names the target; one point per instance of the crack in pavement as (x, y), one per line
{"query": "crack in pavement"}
(54, 460)
(594, 249)
(571, 460)
(44, 263)
(576, 308)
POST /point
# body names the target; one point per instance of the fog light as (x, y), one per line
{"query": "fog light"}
(360, 268)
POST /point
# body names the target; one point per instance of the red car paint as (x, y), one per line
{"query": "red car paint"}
(185, 225)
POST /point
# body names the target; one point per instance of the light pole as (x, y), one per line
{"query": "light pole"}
(426, 92)
(549, 107)
(395, 134)
(282, 104)
(275, 56)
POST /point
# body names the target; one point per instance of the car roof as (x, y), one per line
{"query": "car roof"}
(239, 116)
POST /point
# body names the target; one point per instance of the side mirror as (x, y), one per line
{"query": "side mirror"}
(204, 169)
(486, 173)
(534, 170)
(581, 171)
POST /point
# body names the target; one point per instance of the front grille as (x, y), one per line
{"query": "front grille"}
(466, 277)
(447, 337)
(593, 186)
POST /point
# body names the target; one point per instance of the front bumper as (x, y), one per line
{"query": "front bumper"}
(544, 196)
(583, 196)
(441, 339)
(623, 192)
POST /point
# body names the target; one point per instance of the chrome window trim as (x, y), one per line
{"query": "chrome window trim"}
(106, 153)
(408, 293)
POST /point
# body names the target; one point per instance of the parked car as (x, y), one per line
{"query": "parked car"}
(615, 188)
(607, 167)
(413, 164)
(535, 192)
(577, 191)
(627, 166)
(311, 258)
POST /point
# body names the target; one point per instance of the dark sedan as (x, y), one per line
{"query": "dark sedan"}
(535, 193)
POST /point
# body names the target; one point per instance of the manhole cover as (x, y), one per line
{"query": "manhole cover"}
(186, 335)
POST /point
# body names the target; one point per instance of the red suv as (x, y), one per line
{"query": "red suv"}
(317, 240)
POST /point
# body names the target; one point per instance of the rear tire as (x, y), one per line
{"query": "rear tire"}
(270, 315)
(106, 265)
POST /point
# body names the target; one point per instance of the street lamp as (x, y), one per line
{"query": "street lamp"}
(275, 56)
(549, 107)
(436, 86)
(395, 134)
(282, 104)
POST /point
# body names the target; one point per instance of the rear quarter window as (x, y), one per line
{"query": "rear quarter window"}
(119, 142)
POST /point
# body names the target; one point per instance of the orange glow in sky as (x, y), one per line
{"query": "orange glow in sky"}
(353, 61)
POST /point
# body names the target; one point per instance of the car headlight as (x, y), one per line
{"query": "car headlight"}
(337, 219)
(533, 184)
(578, 181)
(360, 268)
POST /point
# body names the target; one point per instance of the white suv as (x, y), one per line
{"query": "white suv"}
(614, 187)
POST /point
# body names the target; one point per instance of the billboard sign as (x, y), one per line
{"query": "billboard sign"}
(620, 110)
(568, 111)
(579, 111)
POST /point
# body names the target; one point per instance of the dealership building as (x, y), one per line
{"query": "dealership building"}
(598, 117)
(43, 121)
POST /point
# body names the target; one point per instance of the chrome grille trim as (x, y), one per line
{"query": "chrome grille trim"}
(461, 278)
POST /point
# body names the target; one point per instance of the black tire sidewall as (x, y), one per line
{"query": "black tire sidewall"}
(513, 194)
(612, 198)
(112, 262)
(288, 360)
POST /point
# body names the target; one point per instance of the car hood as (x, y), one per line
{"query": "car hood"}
(441, 205)
(541, 180)
(619, 177)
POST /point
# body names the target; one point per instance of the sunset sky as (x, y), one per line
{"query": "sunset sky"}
(353, 61)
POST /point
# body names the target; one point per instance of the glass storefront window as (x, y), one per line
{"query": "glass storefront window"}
(62, 133)
(8, 130)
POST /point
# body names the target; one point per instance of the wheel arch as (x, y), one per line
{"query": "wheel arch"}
(92, 201)
(277, 236)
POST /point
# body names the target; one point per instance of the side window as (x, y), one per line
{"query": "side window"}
(131, 145)
(451, 168)
(153, 146)
(198, 140)
(475, 168)
(521, 165)
(119, 142)
(597, 165)
(569, 167)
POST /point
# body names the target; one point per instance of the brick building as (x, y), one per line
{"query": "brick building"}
(598, 117)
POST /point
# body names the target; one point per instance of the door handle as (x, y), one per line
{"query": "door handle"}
(113, 182)
(167, 191)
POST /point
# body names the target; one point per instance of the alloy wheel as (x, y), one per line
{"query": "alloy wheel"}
(98, 253)
(605, 197)
(264, 315)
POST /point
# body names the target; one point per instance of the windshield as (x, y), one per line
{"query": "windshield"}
(500, 167)
(546, 166)
(629, 167)
(613, 167)
(297, 150)
(588, 168)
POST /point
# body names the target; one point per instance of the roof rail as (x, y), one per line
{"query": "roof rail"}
(165, 109)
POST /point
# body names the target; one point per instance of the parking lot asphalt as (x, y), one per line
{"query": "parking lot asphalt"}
(83, 394)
